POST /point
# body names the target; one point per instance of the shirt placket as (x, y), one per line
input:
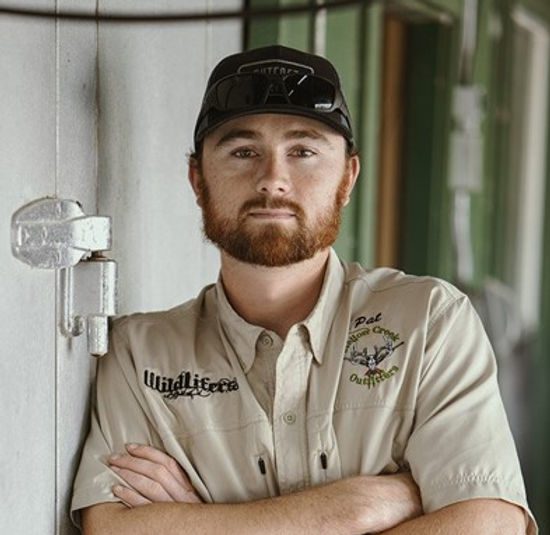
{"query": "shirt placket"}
(262, 373)
(289, 414)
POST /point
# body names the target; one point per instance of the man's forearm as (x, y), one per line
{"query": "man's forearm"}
(321, 510)
(268, 517)
(471, 517)
(346, 507)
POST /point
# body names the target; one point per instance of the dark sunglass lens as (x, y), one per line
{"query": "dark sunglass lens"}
(311, 92)
(240, 91)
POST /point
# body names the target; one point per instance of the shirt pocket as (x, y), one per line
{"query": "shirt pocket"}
(266, 470)
(228, 461)
(324, 457)
(372, 438)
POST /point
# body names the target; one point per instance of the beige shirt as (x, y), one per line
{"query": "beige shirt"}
(389, 372)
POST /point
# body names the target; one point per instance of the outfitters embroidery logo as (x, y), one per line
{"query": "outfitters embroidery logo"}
(188, 385)
(276, 67)
(370, 356)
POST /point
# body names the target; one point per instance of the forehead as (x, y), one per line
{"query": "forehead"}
(270, 126)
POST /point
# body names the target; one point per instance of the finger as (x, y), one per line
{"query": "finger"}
(150, 476)
(147, 487)
(157, 456)
(160, 457)
(130, 497)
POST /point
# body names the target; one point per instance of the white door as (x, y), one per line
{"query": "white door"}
(103, 114)
(48, 148)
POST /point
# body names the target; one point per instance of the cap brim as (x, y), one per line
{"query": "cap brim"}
(331, 119)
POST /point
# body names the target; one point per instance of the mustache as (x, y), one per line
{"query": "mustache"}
(266, 203)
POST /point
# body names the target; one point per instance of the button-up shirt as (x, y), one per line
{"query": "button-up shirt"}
(389, 372)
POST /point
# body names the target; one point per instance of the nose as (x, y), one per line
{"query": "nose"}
(274, 177)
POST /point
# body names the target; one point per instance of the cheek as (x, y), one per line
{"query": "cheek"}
(224, 176)
(224, 197)
(319, 192)
(323, 197)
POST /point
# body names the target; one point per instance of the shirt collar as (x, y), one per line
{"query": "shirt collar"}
(320, 319)
(243, 336)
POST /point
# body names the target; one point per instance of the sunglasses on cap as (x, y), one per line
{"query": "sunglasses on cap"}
(248, 90)
(256, 89)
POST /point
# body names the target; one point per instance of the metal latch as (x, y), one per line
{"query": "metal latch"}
(56, 234)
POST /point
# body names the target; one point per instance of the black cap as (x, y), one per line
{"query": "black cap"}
(274, 61)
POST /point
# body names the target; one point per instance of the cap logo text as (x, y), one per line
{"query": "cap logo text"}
(276, 68)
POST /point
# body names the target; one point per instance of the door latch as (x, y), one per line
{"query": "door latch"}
(56, 234)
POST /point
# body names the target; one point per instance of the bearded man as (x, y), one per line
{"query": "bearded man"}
(299, 394)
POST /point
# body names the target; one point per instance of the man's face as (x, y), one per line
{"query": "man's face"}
(271, 187)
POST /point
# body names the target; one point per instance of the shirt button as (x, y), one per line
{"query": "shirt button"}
(266, 340)
(289, 417)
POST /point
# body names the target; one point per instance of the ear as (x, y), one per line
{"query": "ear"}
(353, 166)
(194, 176)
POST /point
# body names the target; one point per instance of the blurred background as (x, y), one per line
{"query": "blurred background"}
(97, 104)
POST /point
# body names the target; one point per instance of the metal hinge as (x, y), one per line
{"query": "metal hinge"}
(56, 234)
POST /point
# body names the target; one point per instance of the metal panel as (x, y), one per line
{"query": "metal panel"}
(27, 309)
(368, 124)
(343, 47)
(76, 178)
(151, 79)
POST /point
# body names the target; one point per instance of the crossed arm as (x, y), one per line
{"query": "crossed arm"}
(159, 498)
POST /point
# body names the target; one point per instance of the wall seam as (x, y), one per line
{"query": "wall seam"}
(56, 296)
(97, 109)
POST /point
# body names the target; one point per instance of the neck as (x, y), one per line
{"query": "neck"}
(274, 298)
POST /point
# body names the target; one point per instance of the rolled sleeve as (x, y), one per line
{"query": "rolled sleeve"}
(118, 418)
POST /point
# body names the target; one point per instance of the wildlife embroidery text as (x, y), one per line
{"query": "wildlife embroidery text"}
(188, 384)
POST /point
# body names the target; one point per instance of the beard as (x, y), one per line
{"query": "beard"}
(271, 244)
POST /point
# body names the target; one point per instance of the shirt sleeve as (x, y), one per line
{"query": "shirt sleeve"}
(461, 446)
(119, 416)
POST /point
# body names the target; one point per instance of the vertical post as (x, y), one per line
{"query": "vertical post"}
(368, 119)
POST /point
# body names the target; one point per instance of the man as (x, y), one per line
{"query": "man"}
(298, 394)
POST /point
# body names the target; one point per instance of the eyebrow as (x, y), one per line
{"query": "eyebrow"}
(307, 133)
(237, 134)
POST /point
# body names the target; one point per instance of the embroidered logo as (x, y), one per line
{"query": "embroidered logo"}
(187, 384)
(276, 67)
(382, 343)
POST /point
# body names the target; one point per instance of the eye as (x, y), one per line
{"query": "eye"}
(302, 152)
(243, 153)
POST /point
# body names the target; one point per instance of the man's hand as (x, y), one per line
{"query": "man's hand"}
(152, 476)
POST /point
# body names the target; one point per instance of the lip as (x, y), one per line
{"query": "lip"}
(271, 214)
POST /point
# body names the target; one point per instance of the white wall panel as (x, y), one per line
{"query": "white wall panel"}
(76, 178)
(80, 101)
(151, 80)
(27, 308)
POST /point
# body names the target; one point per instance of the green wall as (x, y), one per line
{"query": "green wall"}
(354, 44)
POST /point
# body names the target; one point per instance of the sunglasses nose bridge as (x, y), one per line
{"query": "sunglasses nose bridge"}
(276, 87)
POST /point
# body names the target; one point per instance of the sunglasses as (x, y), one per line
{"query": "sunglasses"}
(255, 89)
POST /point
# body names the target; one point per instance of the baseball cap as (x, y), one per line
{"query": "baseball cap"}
(274, 79)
